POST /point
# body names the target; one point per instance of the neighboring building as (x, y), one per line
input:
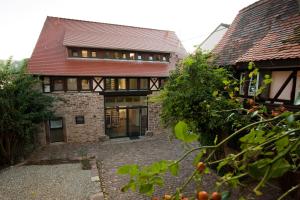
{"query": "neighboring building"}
(267, 33)
(214, 38)
(104, 74)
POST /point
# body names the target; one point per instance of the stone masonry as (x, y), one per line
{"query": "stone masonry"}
(87, 104)
(154, 109)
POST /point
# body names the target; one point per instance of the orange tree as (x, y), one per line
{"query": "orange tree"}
(200, 101)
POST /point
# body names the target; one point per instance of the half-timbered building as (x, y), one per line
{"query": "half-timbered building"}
(103, 75)
(268, 34)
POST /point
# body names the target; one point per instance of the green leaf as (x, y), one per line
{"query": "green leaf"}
(174, 168)
(182, 133)
(226, 195)
(157, 180)
(282, 143)
(147, 189)
(222, 164)
(132, 170)
(279, 168)
(199, 156)
(258, 168)
(131, 185)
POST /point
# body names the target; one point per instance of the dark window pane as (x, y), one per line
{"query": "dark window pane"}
(144, 84)
(75, 53)
(79, 119)
(72, 83)
(122, 84)
(85, 84)
(58, 85)
(110, 84)
(133, 84)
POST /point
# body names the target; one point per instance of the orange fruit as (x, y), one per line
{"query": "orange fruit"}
(216, 196)
(202, 195)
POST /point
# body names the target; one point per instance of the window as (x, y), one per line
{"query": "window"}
(85, 84)
(133, 84)
(110, 84)
(79, 119)
(47, 84)
(56, 123)
(253, 85)
(139, 57)
(164, 58)
(124, 56)
(117, 55)
(58, 84)
(72, 83)
(132, 56)
(107, 54)
(157, 57)
(94, 54)
(122, 84)
(144, 84)
(84, 53)
(150, 58)
(75, 53)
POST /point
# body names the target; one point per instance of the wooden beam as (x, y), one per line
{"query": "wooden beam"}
(293, 93)
(284, 86)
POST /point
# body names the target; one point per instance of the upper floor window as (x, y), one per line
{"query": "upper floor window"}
(117, 54)
(110, 84)
(72, 84)
(133, 84)
(85, 84)
(84, 53)
(122, 83)
(58, 84)
(132, 56)
(75, 53)
(94, 54)
(144, 84)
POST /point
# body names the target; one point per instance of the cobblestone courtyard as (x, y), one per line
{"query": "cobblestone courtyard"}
(114, 153)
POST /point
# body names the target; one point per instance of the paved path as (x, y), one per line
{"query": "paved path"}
(118, 152)
(47, 182)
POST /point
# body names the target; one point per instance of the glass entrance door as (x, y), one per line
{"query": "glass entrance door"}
(116, 122)
(126, 116)
(134, 122)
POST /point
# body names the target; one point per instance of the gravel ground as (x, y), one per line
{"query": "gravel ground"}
(64, 181)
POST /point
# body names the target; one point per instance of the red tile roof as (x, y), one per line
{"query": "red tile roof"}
(265, 30)
(50, 54)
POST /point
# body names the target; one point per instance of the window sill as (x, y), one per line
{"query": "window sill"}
(117, 60)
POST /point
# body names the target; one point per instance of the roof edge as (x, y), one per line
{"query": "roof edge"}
(80, 20)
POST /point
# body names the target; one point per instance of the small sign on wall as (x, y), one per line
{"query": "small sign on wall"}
(79, 119)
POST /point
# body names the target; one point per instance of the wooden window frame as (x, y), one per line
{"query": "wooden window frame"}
(53, 79)
(68, 84)
(79, 83)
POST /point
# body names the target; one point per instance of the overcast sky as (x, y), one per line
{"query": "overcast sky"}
(193, 20)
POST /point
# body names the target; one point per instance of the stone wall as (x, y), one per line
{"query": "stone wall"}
(87, 104)
(154, 122)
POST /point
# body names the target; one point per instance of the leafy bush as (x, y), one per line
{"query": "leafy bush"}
(22, 106)
(200, 98)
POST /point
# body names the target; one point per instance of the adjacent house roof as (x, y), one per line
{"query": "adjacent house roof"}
(214, 38)
(50, 54)
(265, 30)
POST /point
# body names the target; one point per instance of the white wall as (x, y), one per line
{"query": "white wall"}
(213, 39)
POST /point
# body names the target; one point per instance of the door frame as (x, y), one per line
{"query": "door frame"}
(127, 118)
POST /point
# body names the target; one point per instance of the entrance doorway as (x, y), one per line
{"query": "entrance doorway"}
(125, 117)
